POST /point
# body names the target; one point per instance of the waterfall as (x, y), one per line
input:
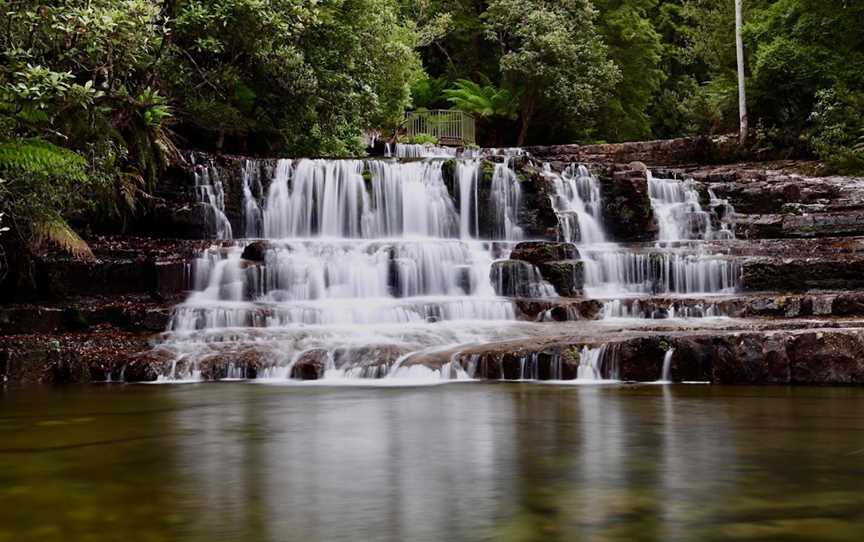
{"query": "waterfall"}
(613, 270)
(359, 264)
(209, 191)
(505, 199)
(411, 150)
(252, 214)
(467, 178)
(666, 374)
(680, 216)
(577, 204)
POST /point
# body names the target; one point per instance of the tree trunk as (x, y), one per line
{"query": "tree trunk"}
(742, 91)
(527, 114)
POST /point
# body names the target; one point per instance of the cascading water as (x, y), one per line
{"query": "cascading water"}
(413, 150)
(253, 219)
(615, 271)
(373, 268)
(679, 214)
(506, 196)
(359, 262)
(577, 204)
(209, 191)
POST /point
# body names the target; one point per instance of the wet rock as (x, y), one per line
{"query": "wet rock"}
(566, 276)
(515, 278)
(559, 310)
(750, 359)
(640, 359)
(190, 220)
(537, 252)
(171, 277)
(369, 361)
(827, 358)
(536, 215)
(248, 362)
(782, 226)
(30, 319)
(627, 212)
(802, 274)
(310, 365)
(148, 366)
(256, 251)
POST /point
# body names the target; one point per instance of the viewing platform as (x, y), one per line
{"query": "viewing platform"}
(451, 127)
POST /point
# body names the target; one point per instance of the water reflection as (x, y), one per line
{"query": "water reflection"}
(456, 462)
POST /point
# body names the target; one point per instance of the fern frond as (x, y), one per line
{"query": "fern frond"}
(58, 233)
(39, 157)
(484, 101)
(128, 187)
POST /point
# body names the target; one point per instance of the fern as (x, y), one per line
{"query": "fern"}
(482, 100)
(58, 233)
(39, 157)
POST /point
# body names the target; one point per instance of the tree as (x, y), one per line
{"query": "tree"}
(552, 56)
(635, 47)
(742, 91)
(299, 76)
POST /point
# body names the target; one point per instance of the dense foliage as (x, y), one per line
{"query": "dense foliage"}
(96, 95)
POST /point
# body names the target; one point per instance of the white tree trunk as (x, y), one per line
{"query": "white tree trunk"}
(742, 91)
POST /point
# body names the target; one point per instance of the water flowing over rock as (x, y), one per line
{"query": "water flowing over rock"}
(459, 265)
(352, 248)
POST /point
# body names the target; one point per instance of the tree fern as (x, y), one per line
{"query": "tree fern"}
(58, 233)
(484, 100)
(39, 157)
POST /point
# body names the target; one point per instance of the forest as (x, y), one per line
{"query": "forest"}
(97, 96)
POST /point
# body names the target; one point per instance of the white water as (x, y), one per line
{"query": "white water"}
(410, 150)
(612, 270)
(577, 204)
(505, 201)
(357, 256)
(679, 214)
(253, 218)
(666, 375)
(209, 191)
(374, 268)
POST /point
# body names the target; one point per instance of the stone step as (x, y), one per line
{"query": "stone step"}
(809, 356)
(756, 305)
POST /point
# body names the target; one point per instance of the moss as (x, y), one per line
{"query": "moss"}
(572, 355)
(488, 171)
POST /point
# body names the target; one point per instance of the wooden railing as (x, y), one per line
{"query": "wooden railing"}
(449, 126)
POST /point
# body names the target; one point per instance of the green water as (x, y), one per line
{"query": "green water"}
(240, 461)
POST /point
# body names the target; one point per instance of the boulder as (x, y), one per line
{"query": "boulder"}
(566, 276)
(516, 278)
(310, 365)
(256, 251)
(627, 213)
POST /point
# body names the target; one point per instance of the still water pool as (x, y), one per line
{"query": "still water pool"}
(252, 462)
